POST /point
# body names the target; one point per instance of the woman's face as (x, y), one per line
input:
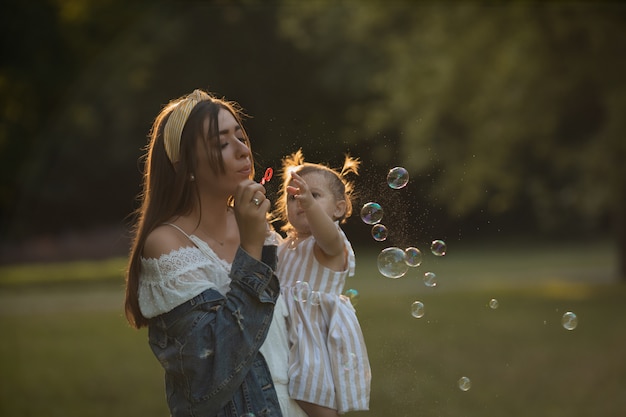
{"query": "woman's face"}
(235, 155)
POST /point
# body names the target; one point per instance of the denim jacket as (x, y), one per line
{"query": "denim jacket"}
(209, 345)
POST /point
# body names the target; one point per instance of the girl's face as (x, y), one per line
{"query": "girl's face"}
(321, 192)
(235, 154)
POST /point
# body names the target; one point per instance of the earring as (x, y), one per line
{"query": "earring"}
(192, 177)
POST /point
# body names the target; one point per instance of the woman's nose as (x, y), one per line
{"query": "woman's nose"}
(244, 150)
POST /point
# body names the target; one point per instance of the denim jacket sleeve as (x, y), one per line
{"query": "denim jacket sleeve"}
(208, 345)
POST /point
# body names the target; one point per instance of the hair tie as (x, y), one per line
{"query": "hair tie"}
(176, 122)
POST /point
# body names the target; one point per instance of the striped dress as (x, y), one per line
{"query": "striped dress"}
(328, 363)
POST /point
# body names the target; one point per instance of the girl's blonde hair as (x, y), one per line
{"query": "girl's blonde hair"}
(341, 187)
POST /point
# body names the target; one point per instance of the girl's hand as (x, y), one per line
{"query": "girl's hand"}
(300, 191)
(251, 208)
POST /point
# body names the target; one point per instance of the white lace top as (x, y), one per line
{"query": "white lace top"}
(179, 276)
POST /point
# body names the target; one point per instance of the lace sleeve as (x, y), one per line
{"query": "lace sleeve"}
(176, 277)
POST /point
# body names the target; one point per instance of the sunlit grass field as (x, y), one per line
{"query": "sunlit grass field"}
(66, 349)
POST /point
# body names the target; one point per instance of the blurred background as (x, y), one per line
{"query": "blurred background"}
(508, 116)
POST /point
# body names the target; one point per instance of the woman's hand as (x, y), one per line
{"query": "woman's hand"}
(251, 208)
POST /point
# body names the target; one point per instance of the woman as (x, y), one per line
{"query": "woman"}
(200, 276)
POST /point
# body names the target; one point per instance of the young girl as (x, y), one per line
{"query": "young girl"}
(329, 372)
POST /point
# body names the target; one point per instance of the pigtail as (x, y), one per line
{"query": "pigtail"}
(292, 161)
(350, 166)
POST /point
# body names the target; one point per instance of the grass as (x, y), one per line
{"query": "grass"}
(67, 351)
(68, 364)
(519, 359)
(62, 273)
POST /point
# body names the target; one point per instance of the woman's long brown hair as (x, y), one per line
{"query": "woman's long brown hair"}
(167, 191)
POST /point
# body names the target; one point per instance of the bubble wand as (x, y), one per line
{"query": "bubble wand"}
(267, 176)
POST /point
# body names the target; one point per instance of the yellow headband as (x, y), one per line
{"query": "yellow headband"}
(176, 123)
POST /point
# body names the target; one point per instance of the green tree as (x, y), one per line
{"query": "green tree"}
(505, 106)
(46, 46)
(80, 89)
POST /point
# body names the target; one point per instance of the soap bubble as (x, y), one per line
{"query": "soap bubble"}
(349, 361)
(353, 295)
(392, 262)
(417, 309)
(397, 178)
(569, 321)
(379, 232)
(464, 383)
(438, 247)
(371, 213)
(315, 298)
(493, 304)
(301, 292)
(430, 279)
(413, 257)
